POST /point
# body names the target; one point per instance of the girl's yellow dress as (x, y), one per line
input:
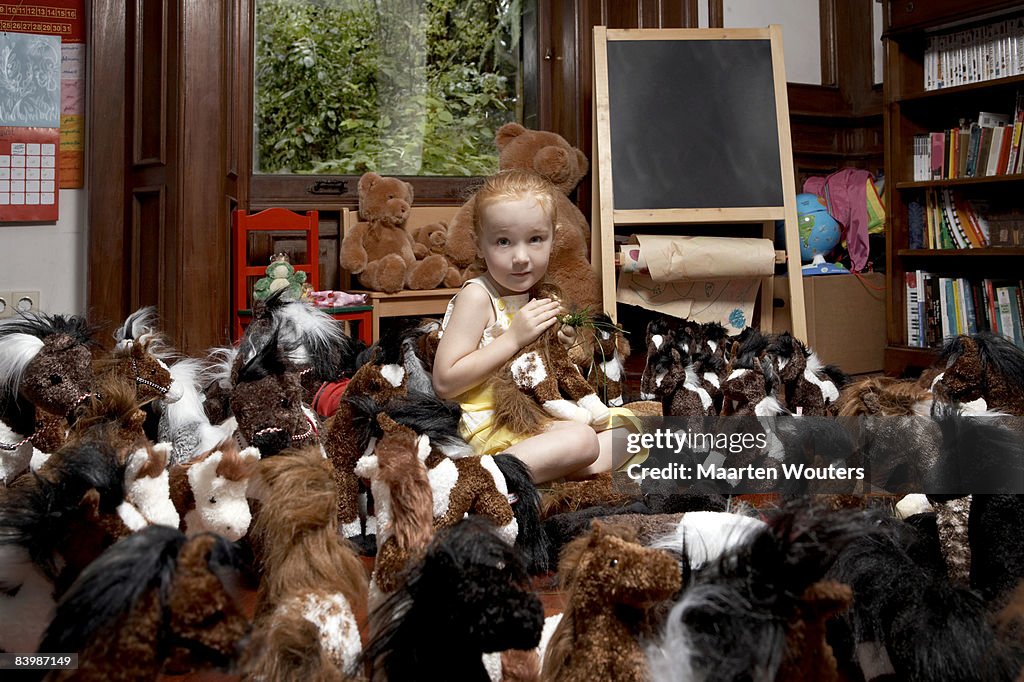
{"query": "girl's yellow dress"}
(478, 402)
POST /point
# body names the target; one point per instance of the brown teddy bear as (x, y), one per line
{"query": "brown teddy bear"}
(550, 155)
(432, 238)
(379, 249)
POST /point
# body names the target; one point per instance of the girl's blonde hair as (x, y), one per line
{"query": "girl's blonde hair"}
(512, 185)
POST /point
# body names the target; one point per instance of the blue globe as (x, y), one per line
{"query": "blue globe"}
(819, 231)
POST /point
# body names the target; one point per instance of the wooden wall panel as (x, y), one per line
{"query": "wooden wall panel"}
(150, 83)
(147, 237)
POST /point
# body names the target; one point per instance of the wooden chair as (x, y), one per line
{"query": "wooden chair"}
(281, 221)
(408, 302)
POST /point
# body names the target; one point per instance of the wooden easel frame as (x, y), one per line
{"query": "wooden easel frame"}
(605, 218)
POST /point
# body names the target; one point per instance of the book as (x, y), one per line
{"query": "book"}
(1004, 150)
(995, 148)
(933, 300)
(913, 309)
(970, 325)
(993, 306)
(984, 151)
(938, 153)
(947, 313)
(973, 147)
(1005, 316)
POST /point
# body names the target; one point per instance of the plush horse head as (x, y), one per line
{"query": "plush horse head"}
(209, 491)
(314, 341)
(609, 581)
(312, 583)
(759, 611)
(45, 374)
(468, 596)
(147, 493)
(266, 400)
(985, 366)
(154, 595)
(657, 331)
(142, 354)
(111, 415)
(751, 391)
(607, 373)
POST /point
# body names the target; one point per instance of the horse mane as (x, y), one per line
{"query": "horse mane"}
(42, 325)
(188, 409)
(883, 396)
(218, 371)
(140, 327)
(424, 614)
(262, 358)
(996, 353)
(296, 529)
(416, 367)
(111, 585)
(16, 352)
(412, 504)
(112, 413)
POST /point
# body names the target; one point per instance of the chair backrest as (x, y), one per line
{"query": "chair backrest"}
(275, 220)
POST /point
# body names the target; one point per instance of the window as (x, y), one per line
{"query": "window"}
(401, 87)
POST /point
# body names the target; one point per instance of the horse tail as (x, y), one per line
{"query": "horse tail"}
(515, 410)
(532, 540)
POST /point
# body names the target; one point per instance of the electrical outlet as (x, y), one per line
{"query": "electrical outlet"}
(25, 302)
(6, 307)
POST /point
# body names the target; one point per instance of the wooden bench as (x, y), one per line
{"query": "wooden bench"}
(426, 302)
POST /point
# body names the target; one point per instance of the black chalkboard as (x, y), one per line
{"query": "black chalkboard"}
(693, 124)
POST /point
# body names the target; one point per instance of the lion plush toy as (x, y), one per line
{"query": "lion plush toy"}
(379, 249)
(551, 156)
(433, 238)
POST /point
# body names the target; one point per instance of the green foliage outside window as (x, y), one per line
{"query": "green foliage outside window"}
(401, 87)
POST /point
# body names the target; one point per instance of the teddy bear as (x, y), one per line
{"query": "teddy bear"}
(379, 249)
(281, 274)
(433, 238)
(553, 157)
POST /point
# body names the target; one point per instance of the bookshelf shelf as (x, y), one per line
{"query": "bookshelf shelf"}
(995, 251)
(956, 182)
(930, 96)
(911, 110)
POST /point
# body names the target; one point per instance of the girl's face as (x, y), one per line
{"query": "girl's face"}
(515, 241)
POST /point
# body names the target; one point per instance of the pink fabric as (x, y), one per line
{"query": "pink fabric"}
(845, 193)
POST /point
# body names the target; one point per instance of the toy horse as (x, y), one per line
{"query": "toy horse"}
(312, 585)
(147, 492)
(983, 366)
(810, 387)
(529, 388)
(657, 333)
(66, 514)
(497, 487)
(209, 491)
(608, 371)
(759, 611)
(469, 595)
(609, 582)
(403, 501)
(152, 596)
(45, 374)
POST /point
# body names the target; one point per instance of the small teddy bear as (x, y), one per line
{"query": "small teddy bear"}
(433, 238)
(379, 249)
(281, 274)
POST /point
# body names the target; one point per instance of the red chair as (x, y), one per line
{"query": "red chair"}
(281, 220)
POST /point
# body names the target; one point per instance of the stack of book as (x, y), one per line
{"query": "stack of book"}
(940, 307)
(986, 147)
(975, 54)
(955, 222)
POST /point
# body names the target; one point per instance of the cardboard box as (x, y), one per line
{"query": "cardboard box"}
(845, 319)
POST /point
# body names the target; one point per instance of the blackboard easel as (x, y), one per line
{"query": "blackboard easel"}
(692, 126)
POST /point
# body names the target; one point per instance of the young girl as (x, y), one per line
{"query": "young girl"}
(492, 318)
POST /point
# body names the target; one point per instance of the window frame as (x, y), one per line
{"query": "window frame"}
(304, 191)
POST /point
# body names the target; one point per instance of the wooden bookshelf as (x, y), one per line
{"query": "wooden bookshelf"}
(909, 110)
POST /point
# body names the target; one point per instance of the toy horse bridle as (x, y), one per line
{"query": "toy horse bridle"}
(309, 432)
(139, 379)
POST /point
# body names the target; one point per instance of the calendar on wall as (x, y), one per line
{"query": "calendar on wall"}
(29, 174)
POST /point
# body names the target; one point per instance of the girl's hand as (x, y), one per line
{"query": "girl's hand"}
(533, 319)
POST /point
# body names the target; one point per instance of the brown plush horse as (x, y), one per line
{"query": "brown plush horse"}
(403, 503)
(983, 366)
(151, 597)
(45, 374)
(312, 585)
(609, 582)
(608, 372)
